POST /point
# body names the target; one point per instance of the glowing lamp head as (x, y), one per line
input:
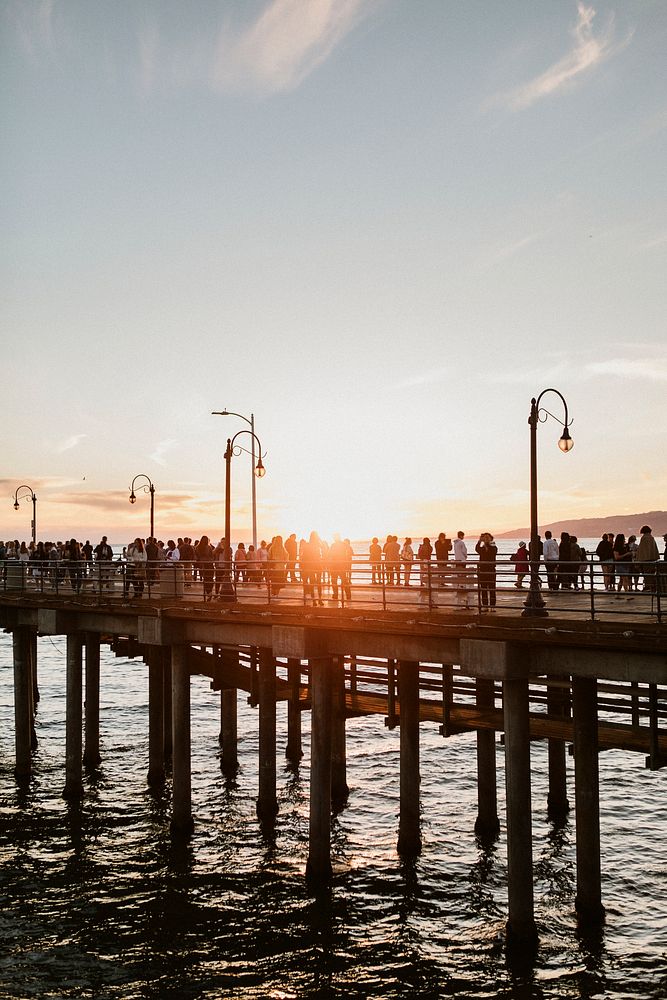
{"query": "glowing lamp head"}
(259, 468)
(16, 505)
(133, 498)
(565, 442)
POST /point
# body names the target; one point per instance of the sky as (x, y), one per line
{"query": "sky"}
(379, 226)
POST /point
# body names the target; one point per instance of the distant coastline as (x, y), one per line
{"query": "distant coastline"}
(589, 527)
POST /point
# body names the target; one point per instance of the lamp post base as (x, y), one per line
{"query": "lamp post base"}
(227, 593)
(534, 606)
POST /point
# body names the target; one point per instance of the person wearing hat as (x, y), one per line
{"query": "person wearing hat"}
(520, 560)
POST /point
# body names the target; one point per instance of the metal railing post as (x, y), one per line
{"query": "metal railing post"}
(658, 584)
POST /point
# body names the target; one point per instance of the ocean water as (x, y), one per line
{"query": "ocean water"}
(97, 899)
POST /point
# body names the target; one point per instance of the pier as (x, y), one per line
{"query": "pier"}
(585, 686)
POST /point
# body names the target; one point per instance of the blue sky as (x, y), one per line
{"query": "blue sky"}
(380, 226)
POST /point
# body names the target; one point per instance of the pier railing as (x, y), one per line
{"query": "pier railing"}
(571, 589)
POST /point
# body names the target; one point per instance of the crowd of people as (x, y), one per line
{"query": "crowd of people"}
(313, 562)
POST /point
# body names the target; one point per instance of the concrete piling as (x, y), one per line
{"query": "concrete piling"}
(91, 751)
(34, 688)
(318, 867)
(229, 760)
(267, 803)
(557, 802)
(167, 699)
(521, 929)
(339, 786)
(156, 719)
(588, 902)
(74, 719)
(181, 757)
(22, 703)
(409, 834)
(487, 824)
(294, 751)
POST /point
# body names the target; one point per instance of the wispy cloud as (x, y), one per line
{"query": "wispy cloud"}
(430, 377)
(288, 40)
(649, 368)
(161, 449)
(588, 50)
(645, 369)
(33, 24)
(550, 371)
(654, 244)
(71, 442)
(503, 251)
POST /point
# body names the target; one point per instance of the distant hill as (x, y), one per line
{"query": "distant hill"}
(590, 527)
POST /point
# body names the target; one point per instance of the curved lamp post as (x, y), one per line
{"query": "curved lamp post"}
(24, 496)
(534, 604)
(251, 422)
(146, 487)
(227, 592)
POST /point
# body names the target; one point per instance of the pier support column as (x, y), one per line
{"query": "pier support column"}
(34, 688)
(35, 682)
(181, 762)
(91, 751)
(74, 719)
(267, 805)
(156, 719)
(557, 801)
(588, 902)
(318, 867)
(22, 702)
(339, 786)
(487, 824)
(409, 834)
(521, 930)
(168, 714)
(229, 760)
(294, 751)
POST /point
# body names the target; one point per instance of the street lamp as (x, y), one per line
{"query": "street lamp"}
(24, 496)
(228, 593)
(534, 604)
(146, 487)
(251, 422)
